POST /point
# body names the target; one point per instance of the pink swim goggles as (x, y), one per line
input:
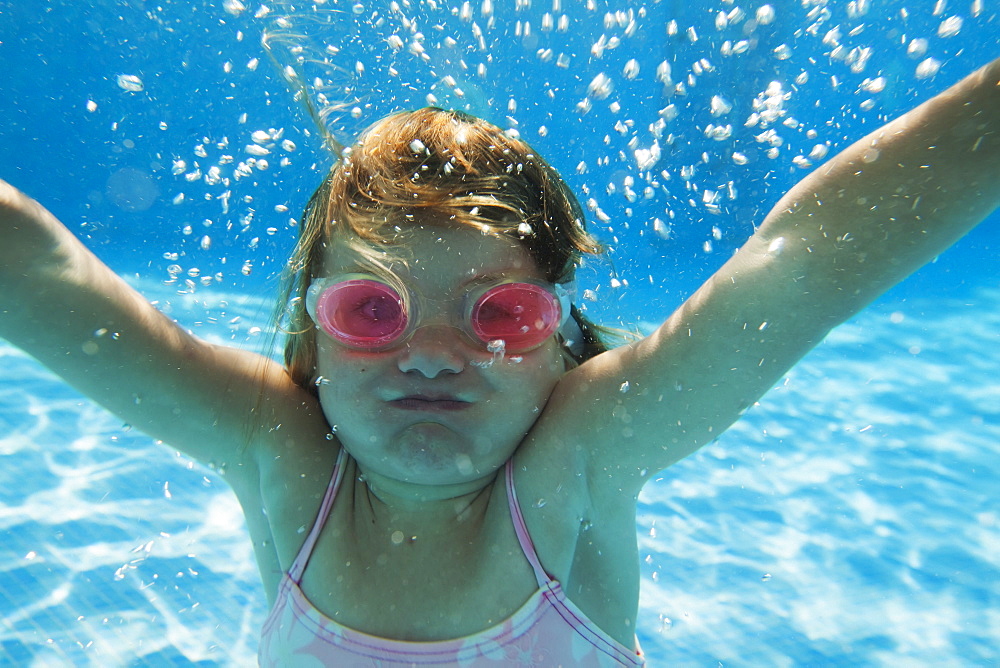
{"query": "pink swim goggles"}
(364, 312)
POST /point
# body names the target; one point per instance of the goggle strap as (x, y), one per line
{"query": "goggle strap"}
(569, 328)
(572, 337)
(566, 294)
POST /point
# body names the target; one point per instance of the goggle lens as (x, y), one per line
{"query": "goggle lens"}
(523, 315)
(362, 312)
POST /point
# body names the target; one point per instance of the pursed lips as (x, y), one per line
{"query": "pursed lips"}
(430, 402)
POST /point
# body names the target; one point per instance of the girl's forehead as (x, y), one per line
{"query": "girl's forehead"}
(436, 252)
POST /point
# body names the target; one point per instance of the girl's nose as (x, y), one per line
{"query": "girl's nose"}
(433, 350)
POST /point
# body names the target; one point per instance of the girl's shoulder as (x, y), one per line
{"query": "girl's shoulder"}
(582, 525)
(289, 461)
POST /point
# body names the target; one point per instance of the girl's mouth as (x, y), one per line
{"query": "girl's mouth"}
(419, 402)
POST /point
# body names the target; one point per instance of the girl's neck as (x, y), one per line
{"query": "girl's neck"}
(397, 501)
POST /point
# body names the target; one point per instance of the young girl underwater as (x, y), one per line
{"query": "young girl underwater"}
(445, 469)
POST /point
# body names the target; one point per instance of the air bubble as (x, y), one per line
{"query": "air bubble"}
(950, 26)
(928, 68)
(718, 132)
(130, 82)
(720, 106)
(662, 229)
(783, 52)
(600, 87)
(871, 155)
(663, 73)
(819, 151)
(498, 347)
(917, 48)
(646, 159)
(876, 85)
(765, 15)
(858, 8)
(214, 176)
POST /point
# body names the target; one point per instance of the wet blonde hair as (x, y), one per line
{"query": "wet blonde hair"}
(446, 167)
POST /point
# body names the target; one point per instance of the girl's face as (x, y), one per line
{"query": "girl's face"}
(438, 409)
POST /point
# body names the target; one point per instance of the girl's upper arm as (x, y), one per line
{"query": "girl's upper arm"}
(843, 235)
(62, 305)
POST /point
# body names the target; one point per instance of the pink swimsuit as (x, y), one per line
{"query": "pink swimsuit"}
(548, 630)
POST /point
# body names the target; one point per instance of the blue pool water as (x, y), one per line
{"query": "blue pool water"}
(850, 519)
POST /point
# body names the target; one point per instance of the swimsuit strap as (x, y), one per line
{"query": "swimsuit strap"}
(299, 565)
(521, 529)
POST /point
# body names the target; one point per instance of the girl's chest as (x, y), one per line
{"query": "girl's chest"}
(408, 582)
(416, 583)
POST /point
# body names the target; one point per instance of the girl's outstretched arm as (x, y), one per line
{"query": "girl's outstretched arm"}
(843, 235)
(62, 305)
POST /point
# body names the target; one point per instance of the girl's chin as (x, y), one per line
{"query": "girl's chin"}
(430, 453)
(434, 468)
